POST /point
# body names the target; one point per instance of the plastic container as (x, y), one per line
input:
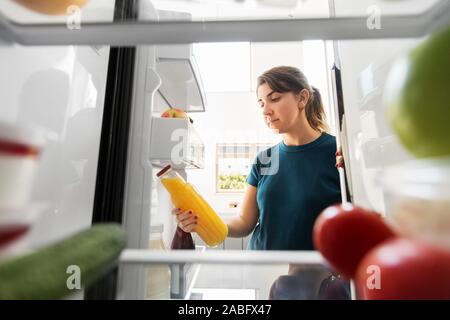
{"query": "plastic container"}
(158, 275)
(211, 228)
(417, 197)
(20, 148)
(15, 225)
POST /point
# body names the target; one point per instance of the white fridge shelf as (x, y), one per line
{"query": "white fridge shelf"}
(256, 30)
(174, 141)
(142, 257)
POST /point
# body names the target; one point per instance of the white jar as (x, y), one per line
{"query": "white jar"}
(20, 148)
(418, 199)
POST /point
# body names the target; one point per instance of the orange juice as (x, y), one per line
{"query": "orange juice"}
(210, 226)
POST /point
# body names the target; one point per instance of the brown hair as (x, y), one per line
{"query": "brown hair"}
(290, 79)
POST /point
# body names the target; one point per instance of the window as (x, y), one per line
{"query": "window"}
(233, 164)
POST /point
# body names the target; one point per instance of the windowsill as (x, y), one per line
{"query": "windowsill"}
(228, 193)
(228, 214)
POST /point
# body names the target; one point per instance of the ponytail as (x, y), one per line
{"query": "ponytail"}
(315, 113)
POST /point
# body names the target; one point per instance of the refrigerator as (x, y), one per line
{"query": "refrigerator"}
(97, 79)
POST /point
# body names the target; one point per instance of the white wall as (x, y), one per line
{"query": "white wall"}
(60, 89)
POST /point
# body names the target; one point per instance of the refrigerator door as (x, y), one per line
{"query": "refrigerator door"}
(62, 91)
(368, 141)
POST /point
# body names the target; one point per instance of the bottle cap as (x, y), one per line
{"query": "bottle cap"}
(163, 170)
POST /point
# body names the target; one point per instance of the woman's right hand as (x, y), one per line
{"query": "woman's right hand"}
(339, 159)
(186, 220)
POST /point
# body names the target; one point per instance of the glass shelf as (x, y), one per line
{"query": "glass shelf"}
(168, 22)
(100, 11)
(246, 275)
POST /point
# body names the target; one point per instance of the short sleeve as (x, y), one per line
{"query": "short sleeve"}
(253, 177)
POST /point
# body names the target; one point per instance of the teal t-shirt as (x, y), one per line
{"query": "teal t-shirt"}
(295, 183)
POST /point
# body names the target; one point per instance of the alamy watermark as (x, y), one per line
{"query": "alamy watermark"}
(374, 19)
(268, 159)
(74, 280)
(373, 281)
(73, 21)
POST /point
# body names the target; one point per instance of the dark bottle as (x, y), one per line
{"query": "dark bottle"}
(178, 288)
(182, 240)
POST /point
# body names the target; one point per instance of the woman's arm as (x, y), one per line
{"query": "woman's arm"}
(239, 226)
(245, 222)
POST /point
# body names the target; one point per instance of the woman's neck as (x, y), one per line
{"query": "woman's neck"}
(301, 134)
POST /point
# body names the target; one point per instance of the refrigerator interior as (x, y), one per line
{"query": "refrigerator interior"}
(62, 89)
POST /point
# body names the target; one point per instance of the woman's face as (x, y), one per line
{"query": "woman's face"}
(280, 110)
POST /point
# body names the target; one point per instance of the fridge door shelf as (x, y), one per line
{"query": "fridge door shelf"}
(372, 81)
(181, 85)
(174, 141)
(370, 86)
(381, 152)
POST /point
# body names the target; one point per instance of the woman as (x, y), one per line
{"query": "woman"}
(293, 181)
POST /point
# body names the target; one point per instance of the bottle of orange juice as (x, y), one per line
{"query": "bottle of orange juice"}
(210, 226)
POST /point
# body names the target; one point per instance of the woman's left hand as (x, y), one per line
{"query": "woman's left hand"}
(339, 159)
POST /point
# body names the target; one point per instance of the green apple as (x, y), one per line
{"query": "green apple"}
(417, 96)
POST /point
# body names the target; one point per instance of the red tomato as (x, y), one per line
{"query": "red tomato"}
(404, 269)
(345, 233)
